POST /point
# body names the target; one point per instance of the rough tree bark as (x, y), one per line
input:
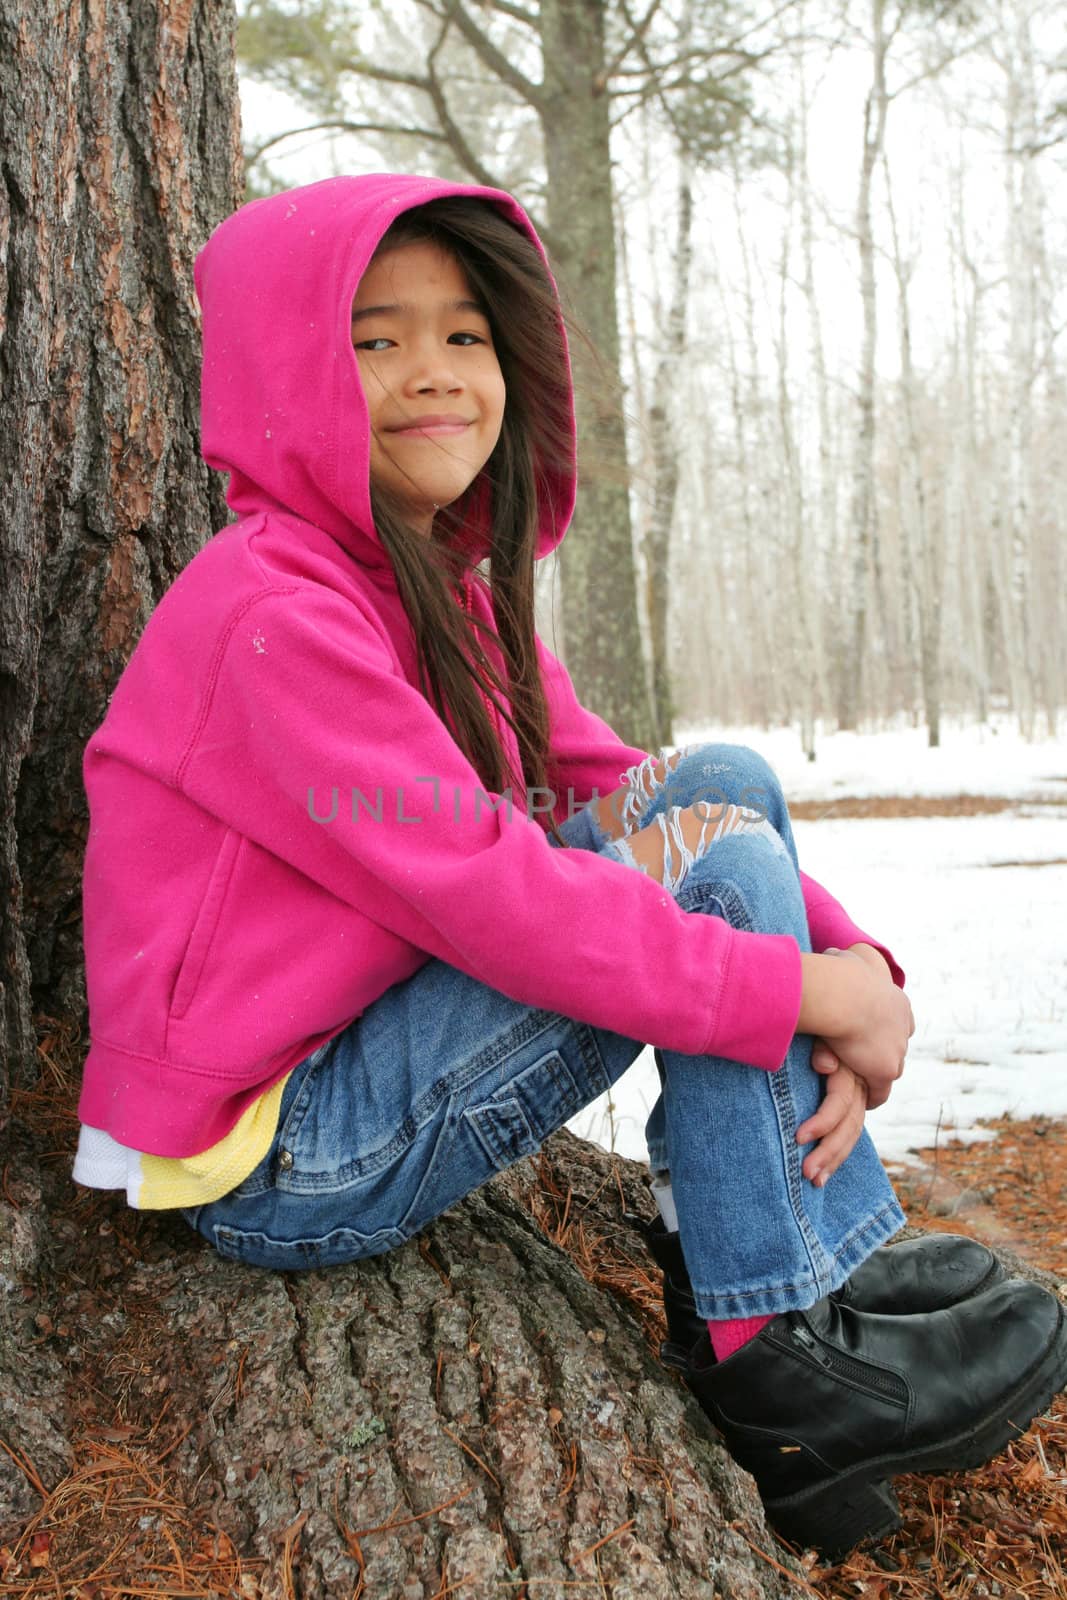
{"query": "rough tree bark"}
(120, 152)
(473, 1390)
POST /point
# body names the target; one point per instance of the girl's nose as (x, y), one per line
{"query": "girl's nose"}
(432, 372)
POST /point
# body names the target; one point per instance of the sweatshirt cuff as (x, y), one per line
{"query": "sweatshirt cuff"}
(759, 1002)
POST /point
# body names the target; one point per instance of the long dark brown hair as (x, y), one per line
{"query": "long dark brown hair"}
(507, 497)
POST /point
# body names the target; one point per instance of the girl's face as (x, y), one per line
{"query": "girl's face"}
(433, 385)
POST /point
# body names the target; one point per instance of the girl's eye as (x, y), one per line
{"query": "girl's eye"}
(472, 338)
(370, 344)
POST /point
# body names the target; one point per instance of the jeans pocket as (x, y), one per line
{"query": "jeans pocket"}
(517, 1119)
(503, 1130)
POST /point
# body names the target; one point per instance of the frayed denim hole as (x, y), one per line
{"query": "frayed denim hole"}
(619, 849)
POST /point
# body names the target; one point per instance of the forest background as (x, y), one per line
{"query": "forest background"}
(822, 248)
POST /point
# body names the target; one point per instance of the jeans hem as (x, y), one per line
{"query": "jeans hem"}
(768, 1301)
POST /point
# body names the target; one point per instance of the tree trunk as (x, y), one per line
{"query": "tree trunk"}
(971, 488)
(597, 559)
(665, 427)
(1022, 248)
(121, 149)
(823, 556)
(468, 1410)
(921, 537)
(802, 684)
(758, 555)
(864, 505)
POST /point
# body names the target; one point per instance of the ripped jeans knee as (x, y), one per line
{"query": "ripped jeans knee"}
(715, 774)
(678, 857)
(722, 774)
(643, 783)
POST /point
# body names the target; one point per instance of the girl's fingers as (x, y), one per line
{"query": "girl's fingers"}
(836, 1126)
(831, 1152)
(823, 1058)
(836, 1099)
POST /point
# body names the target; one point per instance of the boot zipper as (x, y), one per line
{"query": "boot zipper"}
(887, 1384)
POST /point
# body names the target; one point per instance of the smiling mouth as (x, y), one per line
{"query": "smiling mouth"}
(432, 426)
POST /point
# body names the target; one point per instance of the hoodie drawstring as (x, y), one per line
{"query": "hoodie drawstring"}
(489, 706)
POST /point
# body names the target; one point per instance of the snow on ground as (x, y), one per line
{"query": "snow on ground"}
(983, 942)
(988, 759)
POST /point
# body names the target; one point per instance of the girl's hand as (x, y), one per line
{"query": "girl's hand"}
(874, 959)
(874, 1047)
(838, 1122)
(863, 1017)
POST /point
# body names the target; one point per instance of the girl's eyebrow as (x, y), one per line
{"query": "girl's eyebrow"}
(408, 310)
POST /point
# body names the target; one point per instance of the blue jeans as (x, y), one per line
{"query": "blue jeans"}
(443, 1082)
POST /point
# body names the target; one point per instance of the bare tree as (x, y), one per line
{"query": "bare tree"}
(1015, 57)
(941, 44)
(802, 633)
(865, 553)
(921, 532)
(826, 493)
(664, 430)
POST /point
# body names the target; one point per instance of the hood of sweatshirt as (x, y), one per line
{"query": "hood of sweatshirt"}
(282, 405)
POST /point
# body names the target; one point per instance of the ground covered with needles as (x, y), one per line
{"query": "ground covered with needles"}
(117, 1524)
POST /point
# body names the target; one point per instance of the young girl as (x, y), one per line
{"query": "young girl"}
(373, 904)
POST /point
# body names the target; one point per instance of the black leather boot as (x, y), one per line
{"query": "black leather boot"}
(920, 1275)
(824, 1407)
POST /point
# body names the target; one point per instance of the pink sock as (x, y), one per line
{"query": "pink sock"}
(726, 1337)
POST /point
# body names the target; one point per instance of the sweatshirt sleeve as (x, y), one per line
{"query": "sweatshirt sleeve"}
(311, 742)
(831, 927)
(590, 757)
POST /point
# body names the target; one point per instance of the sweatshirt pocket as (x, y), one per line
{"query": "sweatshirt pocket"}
(205, 923)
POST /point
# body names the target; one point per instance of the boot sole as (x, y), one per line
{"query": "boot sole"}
(834, 1516)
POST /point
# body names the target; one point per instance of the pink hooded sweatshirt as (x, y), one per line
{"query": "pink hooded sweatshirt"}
(231, 925)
